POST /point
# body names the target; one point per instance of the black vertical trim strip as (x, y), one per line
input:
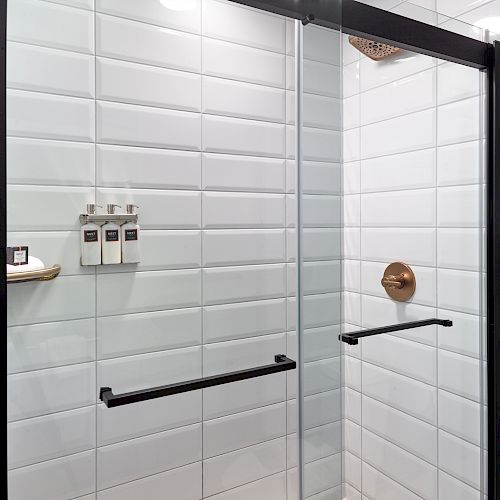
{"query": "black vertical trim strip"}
(3, 218)
(493, 273)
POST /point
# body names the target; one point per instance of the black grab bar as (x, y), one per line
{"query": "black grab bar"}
(281, 364)
(352, 338)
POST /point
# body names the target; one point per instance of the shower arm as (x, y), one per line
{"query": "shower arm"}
(352, 338)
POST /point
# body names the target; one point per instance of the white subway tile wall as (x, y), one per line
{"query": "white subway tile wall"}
(412, 168)
(190, 115)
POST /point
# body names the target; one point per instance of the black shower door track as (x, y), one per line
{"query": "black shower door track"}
(362, 20)
(355, 18)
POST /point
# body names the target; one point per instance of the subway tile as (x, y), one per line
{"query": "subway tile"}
(244, 395)
(51, 25)
(317, 210)
(351, 242)
(233, 432)
(82, 4)
(417, 246)
(319, 145)
(243, 283)
(243, 320)
(145, 456)
(318, 277)
(323, 309)
(459, 374)
(378, 485)
(351, 275)
(243, 466)
(352, 372)
(351, 404)
(223, 172)
(52, 436)
(159, 46)
(349, 53)
(317, 111)
(351, 79)
(245, 26)
(147, 332)
(156, 12)
(243, 246)
(320, 78)
(242, 210)
(183, 482)
(352, 470)
(458, 122)
(404, 64)
(246, 64)
(317, 177)
(47, 116)
(352, 308)
(459, 290)
(459, 206)
(413, 170)
(147, 85)
(135, 167)
(460, 459)
(322, 44)
(246, 137)
(351, 112)
(30, 67)
(269, 488)
(67, 298)
(404, 357)
(148, 417)
(57, 162)
(60, 479)
(322, 475)
(318, 343)
(351, 210)
(408, 95)
(47, 345)
(459, 416)
(417, 210)
(403, 393)
(458, 164)
(408, 470)
(124, 293)
(464, 337)
(351, 437)
(458, 248)
(423, 125)
(162, 250)
(351, 149)
(319, 409)
(234, 355)
(409, 433)
(449, 487)
(456, 82)
(50, 390)
(243, 100)
(57, 207)
(320, 376)
(318, 244)
(158, 209)
(132, 125)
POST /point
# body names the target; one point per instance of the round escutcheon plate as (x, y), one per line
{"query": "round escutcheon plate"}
(399, 281)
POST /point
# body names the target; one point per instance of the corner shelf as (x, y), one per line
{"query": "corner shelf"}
(46, 274)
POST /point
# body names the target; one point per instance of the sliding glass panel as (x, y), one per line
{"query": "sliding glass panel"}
(320, 188)
(413, 195)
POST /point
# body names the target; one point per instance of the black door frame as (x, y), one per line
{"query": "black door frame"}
(359, 19)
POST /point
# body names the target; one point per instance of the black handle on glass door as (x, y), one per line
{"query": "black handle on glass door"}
(281, 364)
(352, 337)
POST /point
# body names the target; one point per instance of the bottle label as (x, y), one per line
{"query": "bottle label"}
(90, 236)
(130, 234)
(112, 235)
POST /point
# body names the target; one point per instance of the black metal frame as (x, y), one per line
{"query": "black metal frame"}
(359, 19)
(351, 338)
(281, 364)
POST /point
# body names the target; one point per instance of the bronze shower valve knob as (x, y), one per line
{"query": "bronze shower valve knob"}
(399, 281)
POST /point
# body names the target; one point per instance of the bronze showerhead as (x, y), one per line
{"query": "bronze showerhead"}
(374, 50)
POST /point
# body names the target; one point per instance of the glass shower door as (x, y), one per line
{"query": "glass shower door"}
(413, 400)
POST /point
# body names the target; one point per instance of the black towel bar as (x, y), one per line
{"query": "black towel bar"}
(281, 364)
(352, 337)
